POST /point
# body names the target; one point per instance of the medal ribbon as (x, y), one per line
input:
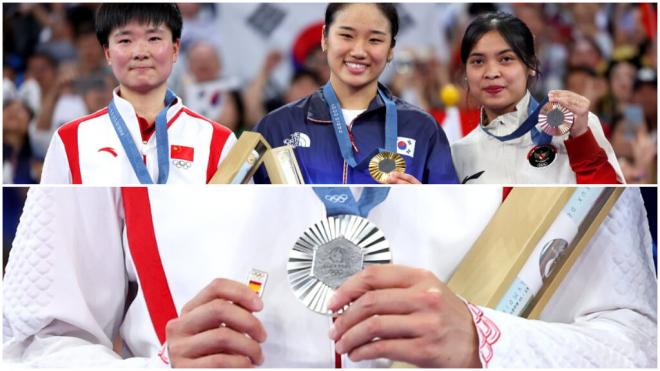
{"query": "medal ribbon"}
(340, 200)
(341, 131)
(528, 125)
(162, 145)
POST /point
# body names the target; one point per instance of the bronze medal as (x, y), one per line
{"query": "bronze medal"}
(555, 119)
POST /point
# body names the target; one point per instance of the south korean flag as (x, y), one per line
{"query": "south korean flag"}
(405, 146)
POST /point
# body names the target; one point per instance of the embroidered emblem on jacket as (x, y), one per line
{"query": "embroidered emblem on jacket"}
(298, 139)
(182, 156)
(110, 150)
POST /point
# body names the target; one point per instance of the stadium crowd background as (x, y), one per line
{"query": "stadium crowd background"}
(239, 61)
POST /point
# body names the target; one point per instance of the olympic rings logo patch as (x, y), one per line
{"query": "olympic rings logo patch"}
(182, 164)
(337, 198)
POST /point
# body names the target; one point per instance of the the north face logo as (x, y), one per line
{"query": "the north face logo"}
(298, 139)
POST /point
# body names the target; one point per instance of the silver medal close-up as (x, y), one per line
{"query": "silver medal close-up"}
(328, 253)
(555, 119)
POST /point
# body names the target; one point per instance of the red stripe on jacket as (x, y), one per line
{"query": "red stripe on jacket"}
(69, 135)
(148, 265)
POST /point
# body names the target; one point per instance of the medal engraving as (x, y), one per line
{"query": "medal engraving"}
(335, 261)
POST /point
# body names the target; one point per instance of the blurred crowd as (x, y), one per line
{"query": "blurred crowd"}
(240, 61)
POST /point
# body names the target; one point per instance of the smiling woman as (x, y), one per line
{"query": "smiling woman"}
(359, 132)
(514, 142)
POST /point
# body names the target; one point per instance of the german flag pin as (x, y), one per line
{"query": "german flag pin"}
(257, 281)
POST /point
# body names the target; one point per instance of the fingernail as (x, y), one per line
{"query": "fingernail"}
(332, 303)
(333, 332)
(339, 348)
(258, 304)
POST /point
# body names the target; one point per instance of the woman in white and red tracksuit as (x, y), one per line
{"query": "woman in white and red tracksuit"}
(507, 148)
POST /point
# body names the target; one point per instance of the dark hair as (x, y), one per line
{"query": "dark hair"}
(7, 102)
(514, 31)
(45, 55)
(388, 10)
(303, 72)
(582, 69)
(113, 15)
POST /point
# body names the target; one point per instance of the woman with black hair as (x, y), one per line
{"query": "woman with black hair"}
(353, 130)
(520, 140)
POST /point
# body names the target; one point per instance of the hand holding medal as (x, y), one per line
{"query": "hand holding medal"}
(415, 317)
(576, 105)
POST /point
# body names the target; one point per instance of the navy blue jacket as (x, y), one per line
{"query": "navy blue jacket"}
(307, 126)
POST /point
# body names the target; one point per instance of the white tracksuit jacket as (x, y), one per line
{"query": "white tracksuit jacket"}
(66, 283)
(507, 162)
(88, 150)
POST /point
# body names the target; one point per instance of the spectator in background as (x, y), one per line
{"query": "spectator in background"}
(18, 164)
(586, 21)
(308, 54)
(303, 83)
(204, 88)
(89, 58)
(95, 90)
(646, 95)
(636, 150)
(311, 71)
(59, 104)
(621, 78)
(552, 51)
(586, 82)
(39, 76)
(585, 53)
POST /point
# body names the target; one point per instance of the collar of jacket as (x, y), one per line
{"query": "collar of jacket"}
(507, 123)
(319, 113)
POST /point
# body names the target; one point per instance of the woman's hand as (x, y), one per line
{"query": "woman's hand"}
(575, 103)
(217, 328)
(401, 178)
(403, 314)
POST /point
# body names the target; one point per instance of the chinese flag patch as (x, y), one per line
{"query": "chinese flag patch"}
(182, 153)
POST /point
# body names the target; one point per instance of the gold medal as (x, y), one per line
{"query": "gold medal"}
(384, 163)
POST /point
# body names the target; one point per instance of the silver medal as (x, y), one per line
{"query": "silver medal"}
(328, 253)
(555, 119)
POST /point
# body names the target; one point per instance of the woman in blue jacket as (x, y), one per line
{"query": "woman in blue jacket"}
(353, 130)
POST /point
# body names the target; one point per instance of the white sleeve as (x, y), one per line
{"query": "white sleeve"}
(231, 140)
(66, 284)
(603, 314)
(56, 165)
(597, 130)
